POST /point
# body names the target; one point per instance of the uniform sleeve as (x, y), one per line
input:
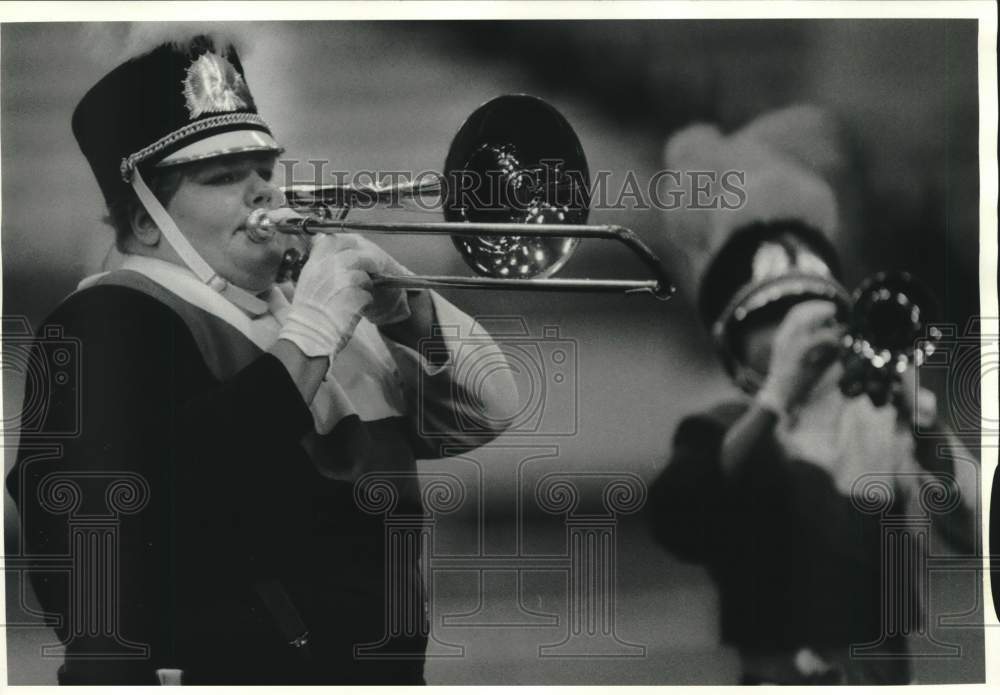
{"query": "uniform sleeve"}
(700, 513)
(158, 444)
(686, 507)
(464, 398)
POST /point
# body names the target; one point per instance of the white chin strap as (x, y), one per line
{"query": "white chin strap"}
(191, 258)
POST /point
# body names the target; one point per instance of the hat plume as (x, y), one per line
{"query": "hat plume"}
(115, 43)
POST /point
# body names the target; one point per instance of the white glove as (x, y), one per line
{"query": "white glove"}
(389, 304)
(333, 291)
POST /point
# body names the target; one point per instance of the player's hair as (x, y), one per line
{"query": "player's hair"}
(121, 212)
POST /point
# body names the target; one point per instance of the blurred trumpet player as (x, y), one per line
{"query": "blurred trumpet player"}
(225, 422)
(775, 492)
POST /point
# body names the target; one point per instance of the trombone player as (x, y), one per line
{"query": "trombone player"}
(239, 416)
(767, 490)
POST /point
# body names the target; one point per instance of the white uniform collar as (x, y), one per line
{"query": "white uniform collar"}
(261, 329)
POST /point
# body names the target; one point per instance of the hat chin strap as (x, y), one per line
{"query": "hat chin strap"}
(189, 256)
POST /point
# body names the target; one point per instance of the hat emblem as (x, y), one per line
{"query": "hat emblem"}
(772, 260)
(213, 85)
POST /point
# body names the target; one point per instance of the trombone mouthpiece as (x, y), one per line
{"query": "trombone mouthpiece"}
(262, 224)
(260, 227)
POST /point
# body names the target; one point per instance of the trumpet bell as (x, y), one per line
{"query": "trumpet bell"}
(516, 160)
(889, 326)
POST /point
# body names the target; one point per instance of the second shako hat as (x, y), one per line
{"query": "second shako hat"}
(183, 101)
(776, 244)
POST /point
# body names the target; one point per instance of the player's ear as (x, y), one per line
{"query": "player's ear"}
(144, 229)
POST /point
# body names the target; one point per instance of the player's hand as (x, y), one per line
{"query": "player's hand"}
(389, 304)
(805, 344)
(332, 294)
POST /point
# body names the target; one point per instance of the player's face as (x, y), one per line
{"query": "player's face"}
(758, 338)
(211, 206)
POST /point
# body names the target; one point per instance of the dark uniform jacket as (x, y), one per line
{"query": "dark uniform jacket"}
(206, 494)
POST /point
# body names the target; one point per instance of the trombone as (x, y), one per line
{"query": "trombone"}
(515, 194)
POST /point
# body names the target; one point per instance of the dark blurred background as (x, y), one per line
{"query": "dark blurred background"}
(389, 96)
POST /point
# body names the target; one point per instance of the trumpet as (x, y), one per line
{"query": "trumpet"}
(521, 156)
(889, 321)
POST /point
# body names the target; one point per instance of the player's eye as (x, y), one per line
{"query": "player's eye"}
(223, 178)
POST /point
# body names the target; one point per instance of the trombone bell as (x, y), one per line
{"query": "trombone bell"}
(517, 160)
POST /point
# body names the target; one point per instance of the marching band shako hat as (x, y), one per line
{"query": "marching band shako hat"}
(770, 244)
(180, 102)
(183, 101)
